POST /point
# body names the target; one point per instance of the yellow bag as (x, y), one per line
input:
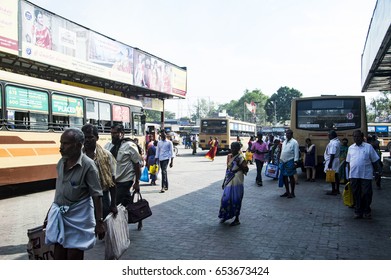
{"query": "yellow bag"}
(330, 176)
(153, 169)
(347, 195)
(249, 155)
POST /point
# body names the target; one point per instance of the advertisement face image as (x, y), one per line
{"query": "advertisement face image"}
(56, 41)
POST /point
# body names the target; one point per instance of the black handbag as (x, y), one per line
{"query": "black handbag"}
(138, 210)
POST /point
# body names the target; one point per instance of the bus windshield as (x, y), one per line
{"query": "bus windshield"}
(214, 126)
(322, 115)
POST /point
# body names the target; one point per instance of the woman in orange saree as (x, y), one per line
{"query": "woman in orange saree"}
(213, 143)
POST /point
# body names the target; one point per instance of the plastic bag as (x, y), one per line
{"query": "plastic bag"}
(348, 195)
(330, 176)
(271, 170)
(144, 176)
(153, 169)
(117, 234)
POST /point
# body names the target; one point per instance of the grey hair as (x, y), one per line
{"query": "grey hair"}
(77, 134)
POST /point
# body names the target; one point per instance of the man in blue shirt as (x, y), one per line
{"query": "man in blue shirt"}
(164, 153)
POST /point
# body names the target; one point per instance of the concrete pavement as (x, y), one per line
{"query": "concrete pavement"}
(185, 226)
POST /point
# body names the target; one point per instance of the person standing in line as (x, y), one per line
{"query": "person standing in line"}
(343, 178)
(260, 151)
(213, 149)
(106, 165)
(288, 163)
(331, 157)
(376, 145)
(164, 155)
(310, 160)
(233, 186)
(72, 223)
(362, 161)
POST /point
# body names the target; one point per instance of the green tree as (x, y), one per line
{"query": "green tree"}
(238, 110)
(278, 106)
(379, 108)
(204, 108)
(155, 116)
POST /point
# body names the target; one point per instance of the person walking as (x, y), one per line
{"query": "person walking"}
(288, 163)
(75, 217)
(151, 153)
(260, 151)
(128, 170)
(362, 161)
(106, 165)
(310, 160)
(165, 156)
(129, 161)
(233, 186)
(331, 157)
(213, 149)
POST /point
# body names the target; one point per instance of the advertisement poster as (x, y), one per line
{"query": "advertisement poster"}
(9, 26)
(50, 39)
(26, 99)
(67, 105)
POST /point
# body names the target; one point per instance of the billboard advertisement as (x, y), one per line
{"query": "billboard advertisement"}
(34, 33)
(9, 26)
(52, 40)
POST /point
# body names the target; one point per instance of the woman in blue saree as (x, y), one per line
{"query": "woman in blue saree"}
(233, 188)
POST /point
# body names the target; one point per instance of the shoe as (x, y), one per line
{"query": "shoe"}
(368, 216)
(332, 193)
(308, 179)
(259, 184)
(357, 216)
(284, 195)
(161, 191)
(289, 196)
(312, 180)
(235, 223)
(166, 188)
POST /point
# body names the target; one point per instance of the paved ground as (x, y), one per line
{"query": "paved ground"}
(184, 224)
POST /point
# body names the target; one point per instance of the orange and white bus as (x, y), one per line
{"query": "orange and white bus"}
(314, 117)
(226, 130)
(33, 114)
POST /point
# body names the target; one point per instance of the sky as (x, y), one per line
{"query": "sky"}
(231, 46)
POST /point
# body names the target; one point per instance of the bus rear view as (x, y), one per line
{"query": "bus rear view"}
(314, 117)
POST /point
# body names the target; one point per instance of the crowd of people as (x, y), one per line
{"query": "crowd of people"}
(92, 180)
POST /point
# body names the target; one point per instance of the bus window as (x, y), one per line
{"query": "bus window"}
(26, 108)
(99, 114)
(121, 114)
(137, 126)
(67, 111)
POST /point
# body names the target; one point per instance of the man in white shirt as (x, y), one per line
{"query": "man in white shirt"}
(362, 159)
(164, 153)
(288, 163)
(331, 157)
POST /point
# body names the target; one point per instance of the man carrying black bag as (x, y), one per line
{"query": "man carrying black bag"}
(129, 160)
